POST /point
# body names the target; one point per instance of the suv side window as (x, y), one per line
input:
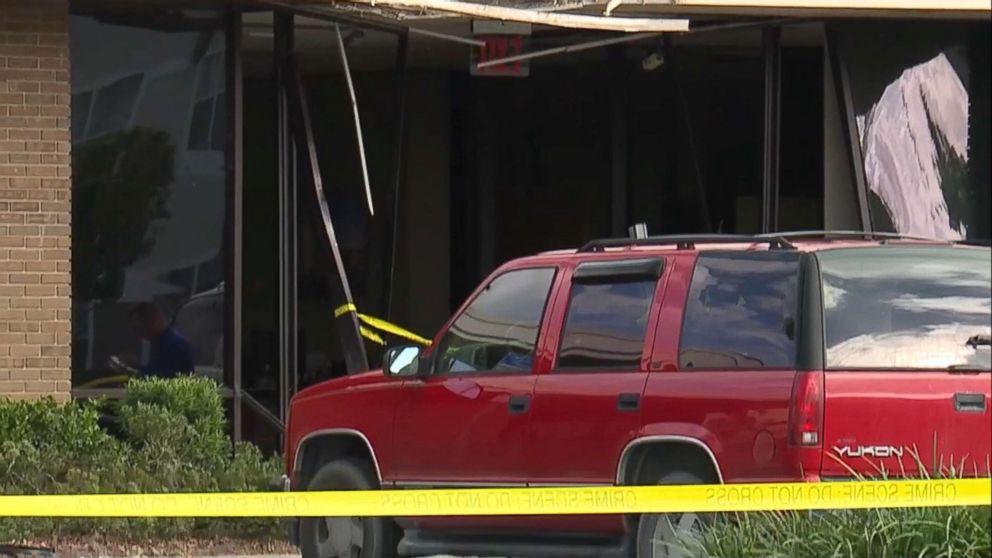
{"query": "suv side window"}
(605, 325)
(499, 328)
(742, 311)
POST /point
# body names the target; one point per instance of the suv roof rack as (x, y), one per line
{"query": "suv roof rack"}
(865, 235)
(687, 241)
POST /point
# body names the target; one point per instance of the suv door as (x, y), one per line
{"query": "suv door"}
(464, 423)
(587, 405)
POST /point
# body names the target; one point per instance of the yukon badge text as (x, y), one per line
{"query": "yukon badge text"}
(869, 451)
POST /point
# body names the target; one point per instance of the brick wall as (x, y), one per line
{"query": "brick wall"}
(34, 199)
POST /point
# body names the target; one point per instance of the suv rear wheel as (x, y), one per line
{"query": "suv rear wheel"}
(346, 537)
(669, 535)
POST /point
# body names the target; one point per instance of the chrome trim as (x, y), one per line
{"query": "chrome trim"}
(332, 432)
(621, 468)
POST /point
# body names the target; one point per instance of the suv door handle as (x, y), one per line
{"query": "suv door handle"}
(518, 404)
(969, 402)
(627, 402)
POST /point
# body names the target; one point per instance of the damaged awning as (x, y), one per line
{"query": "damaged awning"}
(645, 15)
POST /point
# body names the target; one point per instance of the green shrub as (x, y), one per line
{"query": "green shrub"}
(881, 533)
(46, 445)
(170, 436)
(177, 431)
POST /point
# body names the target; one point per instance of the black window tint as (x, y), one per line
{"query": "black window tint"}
(905, 307)
(741, 311)
(605, 325)
(499, 328)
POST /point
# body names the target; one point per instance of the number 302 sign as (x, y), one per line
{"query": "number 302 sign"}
(500, 42)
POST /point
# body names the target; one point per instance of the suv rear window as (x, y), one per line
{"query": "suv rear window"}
(741, 311)
(905, 307)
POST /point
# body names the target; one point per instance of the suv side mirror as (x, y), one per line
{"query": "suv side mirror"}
(402, 361)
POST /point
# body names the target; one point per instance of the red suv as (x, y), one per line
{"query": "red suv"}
(674, 360)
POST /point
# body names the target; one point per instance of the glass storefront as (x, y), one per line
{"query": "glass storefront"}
(149, 139)
(148, 146)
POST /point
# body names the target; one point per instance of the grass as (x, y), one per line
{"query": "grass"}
(875, 533)
(936, 532)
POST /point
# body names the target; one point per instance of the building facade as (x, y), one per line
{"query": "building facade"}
(205, 138)
(35, 216)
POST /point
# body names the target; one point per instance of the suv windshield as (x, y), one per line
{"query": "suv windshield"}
(906, 307)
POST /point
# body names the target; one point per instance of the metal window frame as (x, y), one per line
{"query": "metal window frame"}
(352, 343)
(401, 81)
(233, 221)
(288, 318)
(855, 157)
(295, 146)
(772, 50)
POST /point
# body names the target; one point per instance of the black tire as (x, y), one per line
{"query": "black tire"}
(351, 537)
(668, 535)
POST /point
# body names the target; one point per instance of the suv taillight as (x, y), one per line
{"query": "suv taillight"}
(806, 413)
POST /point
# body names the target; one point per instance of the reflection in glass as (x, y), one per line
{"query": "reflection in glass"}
(741, 311)
(906, 308)
(148, 194)
(402, 359)
(605, 326)
(916, 122)
(915, 144)
(499, 328)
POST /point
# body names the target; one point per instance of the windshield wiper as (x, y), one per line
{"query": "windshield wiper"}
(980, 340)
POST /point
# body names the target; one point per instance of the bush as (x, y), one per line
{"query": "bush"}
(170, 436)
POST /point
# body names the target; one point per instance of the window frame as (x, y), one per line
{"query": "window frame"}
(432, 358)
(801, 355)
(631, 268)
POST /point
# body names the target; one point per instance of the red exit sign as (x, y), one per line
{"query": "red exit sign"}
(501, 40)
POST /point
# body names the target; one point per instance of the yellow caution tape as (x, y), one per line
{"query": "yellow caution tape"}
(514, 501)
(379, 324)
(344, 309)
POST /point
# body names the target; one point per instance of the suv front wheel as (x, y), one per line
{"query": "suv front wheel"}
(671, 535)
(346, 537)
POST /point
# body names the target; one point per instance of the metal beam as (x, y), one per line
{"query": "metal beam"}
(288, 233)
(845, 101)
(399, 165)
(619, 205)
(349, 331)
(343, 52)
(539, 17)
(396, 29)
(569, 48)
(773, 83)
(233, 215)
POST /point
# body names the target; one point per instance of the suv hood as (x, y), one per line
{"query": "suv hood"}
(342, 384)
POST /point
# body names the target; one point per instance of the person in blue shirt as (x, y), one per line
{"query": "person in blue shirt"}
(171, 354)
